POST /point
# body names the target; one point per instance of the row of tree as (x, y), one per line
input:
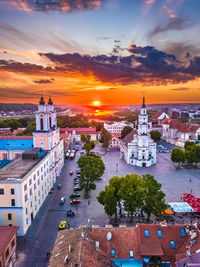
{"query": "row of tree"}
(141, 194)
(191, 154)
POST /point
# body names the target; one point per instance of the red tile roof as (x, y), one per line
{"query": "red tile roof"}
(156, 116)
(88, 130)
(129, 137)
(6, 133)
(178, 124)
(116, 135)
(6, 234)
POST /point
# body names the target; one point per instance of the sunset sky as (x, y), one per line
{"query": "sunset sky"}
(111, 51)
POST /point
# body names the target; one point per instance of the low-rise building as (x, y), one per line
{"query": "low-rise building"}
(75, 133)
(158, 117)
(8, 245)
(176, 132)
(115, 141)
(116, 127)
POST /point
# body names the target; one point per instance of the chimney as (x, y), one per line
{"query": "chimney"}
(97, 245)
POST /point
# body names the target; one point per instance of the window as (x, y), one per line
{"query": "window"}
(38, 173)
(38, 181)
(26, 220)
(34, 186)
(13, 243)
(30, 181)
(12, 191)
(1, 191)
(30, 192)
(7, 253)
(12, 202)
(146, 233)
(41, 169)
(17, 156)
(182, 231)
(5, 156)
(26, 211)
(131, 253)
(25, 198)
(31, 204)
(159, 233)
(34, 177)
(25, 187)
(42, 177)
(172, 244)
(9, 216)
(113, 252)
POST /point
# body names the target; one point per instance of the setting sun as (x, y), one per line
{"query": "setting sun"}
(96, 103)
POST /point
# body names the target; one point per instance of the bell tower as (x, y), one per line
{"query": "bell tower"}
(47, 134)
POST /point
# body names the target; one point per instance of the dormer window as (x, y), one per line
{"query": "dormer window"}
(113, 252)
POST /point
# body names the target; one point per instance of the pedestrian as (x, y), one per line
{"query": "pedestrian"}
(190, 180)
(191, 191)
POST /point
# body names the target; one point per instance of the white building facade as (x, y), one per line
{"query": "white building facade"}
(141, 151)
(117, 127)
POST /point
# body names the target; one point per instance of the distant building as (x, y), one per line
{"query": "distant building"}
(27, 180)
(115, 141)
(141, 150)
(8, 245)
(75, 133)
(116, 127)
(176, 132)
(158, 117)
(143, 245)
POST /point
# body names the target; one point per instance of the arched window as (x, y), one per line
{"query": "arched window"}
(41, 124)
(50, 122)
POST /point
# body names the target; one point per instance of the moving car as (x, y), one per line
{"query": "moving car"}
(62, 200)
(74, 195)
(70, 213)
(75, 201)
(62, 225)
(71, 172)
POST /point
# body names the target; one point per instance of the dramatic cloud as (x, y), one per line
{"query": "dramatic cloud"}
(175, 23)
(41, 81)
(52, 5)
(144, 65)
(182, 50)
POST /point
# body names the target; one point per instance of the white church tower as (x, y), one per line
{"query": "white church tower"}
(47, 134)
(141, 151)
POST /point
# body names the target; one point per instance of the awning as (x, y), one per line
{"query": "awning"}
(168, 212)
(181, 207)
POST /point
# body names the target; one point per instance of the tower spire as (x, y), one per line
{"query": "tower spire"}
(143, 103)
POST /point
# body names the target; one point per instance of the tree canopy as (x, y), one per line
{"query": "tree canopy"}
(92, 168)
(88, 144)
(137, 193)
(178, 156)
(105, 138)
(126, 130)
(155, 135)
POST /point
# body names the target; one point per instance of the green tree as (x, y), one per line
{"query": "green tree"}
(105, 138)
(88, 145)
(188, 145)
(13, 124)
(126, 130)
(198, 136)
(108, 199)
(155, 135)
(153, 197)
(132, 193)
(178, 156)
(92, 168)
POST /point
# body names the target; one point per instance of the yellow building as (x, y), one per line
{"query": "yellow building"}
(27, 180)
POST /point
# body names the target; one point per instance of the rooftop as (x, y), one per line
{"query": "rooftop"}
(88, 130)
(6, 234)
(16, 144)
(18, 168)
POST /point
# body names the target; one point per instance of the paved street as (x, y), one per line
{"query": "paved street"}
(42, 234)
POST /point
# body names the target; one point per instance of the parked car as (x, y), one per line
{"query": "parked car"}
(71, 172)
(78, 171)
(62, 225)
(74, 195)
(75, 201)
(70, 213)
(59, 186)
(77, 188)
(62, 200)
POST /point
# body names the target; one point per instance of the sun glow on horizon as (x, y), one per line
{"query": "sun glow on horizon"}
(96, 103)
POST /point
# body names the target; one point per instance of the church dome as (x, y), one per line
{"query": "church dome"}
(42, 102)
(50, 102)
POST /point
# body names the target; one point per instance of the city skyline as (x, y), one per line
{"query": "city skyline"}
(104, 50)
